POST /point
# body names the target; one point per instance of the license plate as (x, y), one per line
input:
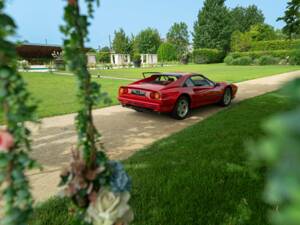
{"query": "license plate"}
(138, 92)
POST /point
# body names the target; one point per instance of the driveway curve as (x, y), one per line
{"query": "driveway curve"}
(124, 132)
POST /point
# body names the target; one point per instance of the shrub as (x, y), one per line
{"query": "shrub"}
(166, 52)
(243, 61)
(103, 57)
(295, 57)
(275, 45)
(137, 60)
(268, 60)
(282, 54)
(240, 41)
(229, 60)
(205, 55)
(184, 59)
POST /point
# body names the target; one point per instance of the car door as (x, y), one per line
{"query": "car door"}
(204, 90)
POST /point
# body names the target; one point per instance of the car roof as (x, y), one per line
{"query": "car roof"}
(176, 74)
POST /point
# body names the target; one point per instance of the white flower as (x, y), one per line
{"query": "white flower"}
(110, 208)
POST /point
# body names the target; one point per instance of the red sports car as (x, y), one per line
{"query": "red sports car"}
(175, 93)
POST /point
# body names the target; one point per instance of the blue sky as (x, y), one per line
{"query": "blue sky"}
(38, 20)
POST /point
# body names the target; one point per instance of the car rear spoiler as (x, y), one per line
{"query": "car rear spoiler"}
(145, 73)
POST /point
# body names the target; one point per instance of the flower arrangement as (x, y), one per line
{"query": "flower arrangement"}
(6, 141)
(102, 191)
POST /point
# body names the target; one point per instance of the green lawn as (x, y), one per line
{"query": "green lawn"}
(217, 72)
(57, 93)
(197, 176)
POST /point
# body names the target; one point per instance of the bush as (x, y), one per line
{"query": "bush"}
(137, 60)
(229, 60)
(240, 41)
(268, 60)
(282, 54)
(185, 59)
(275, 45)
(295, 57)
(243, 61)
(166, 52)
(205, 55)
(103, 57)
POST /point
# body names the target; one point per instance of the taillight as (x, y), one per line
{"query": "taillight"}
(155, 95)
(123, 90)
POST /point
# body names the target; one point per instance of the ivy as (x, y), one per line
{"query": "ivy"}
(89, 94)
(18, 107)
(91, 177)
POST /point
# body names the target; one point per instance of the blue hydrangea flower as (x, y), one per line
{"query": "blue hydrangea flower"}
(119, 181)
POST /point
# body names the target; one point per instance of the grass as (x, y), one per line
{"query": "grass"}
(57, 93)
(197, 176)
(217, 72)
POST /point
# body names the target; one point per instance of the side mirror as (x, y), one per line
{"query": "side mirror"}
(217, 84)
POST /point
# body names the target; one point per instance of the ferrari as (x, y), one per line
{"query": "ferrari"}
(175, 93)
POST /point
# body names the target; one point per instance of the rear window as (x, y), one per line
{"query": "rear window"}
(162, 79)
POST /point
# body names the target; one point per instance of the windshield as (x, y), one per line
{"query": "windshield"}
(162, 79)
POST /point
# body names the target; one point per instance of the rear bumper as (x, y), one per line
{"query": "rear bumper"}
(160, 106)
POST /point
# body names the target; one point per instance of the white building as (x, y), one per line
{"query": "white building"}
(91, 60)
(119, 59)
(149, 59)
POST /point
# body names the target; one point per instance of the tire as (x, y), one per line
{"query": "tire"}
(138, 110)
(181, 109)
(227, 97)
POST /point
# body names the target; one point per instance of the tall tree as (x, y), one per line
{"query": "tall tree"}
(121, 44)
(292, 18)
(262, 32)
(147, 41)
(245, 17)
(178, 36)
(213, 28)
(166, 52)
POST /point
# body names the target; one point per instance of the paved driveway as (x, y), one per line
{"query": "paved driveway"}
(124, 132)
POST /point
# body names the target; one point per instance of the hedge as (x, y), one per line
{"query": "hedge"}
(257, 54)
(275, 45)
(205, 55)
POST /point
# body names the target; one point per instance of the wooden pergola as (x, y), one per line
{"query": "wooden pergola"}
(31, 52)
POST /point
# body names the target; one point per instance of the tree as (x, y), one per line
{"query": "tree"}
(121, 43)
(291, 19)
(213, 28)
(178, 36)
(240, 42)
(105, 49)
(243, 18)
(103, 55)
(263, 32)
(147, 41)
(167, 52)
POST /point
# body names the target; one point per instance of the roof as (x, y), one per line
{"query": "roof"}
(35, 51)
(177, 74)
(28, 51)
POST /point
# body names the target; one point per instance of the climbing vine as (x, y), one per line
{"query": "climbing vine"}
(17, 107)
(98, 187)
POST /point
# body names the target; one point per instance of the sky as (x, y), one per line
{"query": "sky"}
(38, 20)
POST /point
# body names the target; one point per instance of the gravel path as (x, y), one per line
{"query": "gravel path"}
(124, 132)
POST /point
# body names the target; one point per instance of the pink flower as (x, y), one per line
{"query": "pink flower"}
(72, 2)
(6, 141)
